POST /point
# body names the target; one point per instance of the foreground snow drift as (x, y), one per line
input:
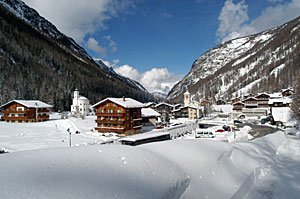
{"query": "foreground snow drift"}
(171, 169)
(90, 172)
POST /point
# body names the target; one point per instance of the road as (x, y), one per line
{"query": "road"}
(258, 130)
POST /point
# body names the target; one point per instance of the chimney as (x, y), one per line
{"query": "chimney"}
(123, 98)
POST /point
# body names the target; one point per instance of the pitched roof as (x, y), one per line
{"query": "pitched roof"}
(30, 103)
(128, 103)
(164, 103)
(149, 112)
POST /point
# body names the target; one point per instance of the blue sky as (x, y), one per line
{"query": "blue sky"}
(156, 41)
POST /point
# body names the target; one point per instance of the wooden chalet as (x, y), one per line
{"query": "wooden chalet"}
(119, 115)
(251, 102)
(262, 100)
(205, 103)
(235, 100)
(287, 92)
(149, 117)
(161, 107)
(22, 111)
(280, 102)
(238, 106)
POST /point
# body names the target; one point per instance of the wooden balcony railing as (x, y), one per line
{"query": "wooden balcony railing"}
(43, 111)
(110, 121)
(110, 130)
(110, 114)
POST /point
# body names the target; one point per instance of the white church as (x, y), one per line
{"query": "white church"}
(81, 105)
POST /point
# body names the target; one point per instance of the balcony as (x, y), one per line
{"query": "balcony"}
(111, 114)
(110, 130)
(110, 121)
(44, 111)
(16, 118)
(15, 112)
(43, 117)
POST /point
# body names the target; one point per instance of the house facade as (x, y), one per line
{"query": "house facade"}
(24, 111)
(119, 115)
(262, 100)
(164, 107)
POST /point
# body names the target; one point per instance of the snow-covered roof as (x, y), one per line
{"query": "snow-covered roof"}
(149, 112)
(82, 98)
(142, 136)
(264, 93)
(287, 89)
(164, 103)
(249, 98)
(239, 102)
(150, 103)
(275, 95)
(30, 103)
(128, 103)
(187, 92)
(284, 100)
(282, 114)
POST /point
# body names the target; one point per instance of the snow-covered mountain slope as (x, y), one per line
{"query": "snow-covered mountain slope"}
(266, 61)
(118, 75)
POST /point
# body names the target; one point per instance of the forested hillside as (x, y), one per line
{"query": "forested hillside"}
(36, 65)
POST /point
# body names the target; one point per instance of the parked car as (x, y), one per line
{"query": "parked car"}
(237, 122)
(220, 131)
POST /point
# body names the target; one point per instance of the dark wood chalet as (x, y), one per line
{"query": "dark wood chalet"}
(119, 115)
(161, 107)
(22, 111)
(238, 106)
(262, 100)
(287, 92)
(235, 100)
(251, 102)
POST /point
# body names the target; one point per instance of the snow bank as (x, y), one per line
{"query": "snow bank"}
(90, 172)
(186, 168)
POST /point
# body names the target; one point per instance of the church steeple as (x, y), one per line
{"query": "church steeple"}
(187, 98)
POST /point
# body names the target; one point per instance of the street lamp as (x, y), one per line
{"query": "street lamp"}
(70, 136)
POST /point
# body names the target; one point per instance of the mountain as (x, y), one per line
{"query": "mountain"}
(159, 96)
(267, 61)
(39, 62)
(121, 77)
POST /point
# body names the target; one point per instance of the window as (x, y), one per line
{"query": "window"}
(127, 125)
(118, 111)
(111, 118)
(119, 125)
(127, 118)
(102, 111)
(119, 119)
(106, 104)
(114, 104)
(20, 108)
(111, 111)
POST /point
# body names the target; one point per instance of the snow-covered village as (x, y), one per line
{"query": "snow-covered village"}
(77, 121)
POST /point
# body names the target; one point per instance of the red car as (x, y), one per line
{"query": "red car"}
(220, 131)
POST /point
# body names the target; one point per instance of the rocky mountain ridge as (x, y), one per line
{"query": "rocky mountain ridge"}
(267, 61)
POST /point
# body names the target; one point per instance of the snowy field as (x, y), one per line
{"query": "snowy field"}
(49, 134)
(267, 167)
